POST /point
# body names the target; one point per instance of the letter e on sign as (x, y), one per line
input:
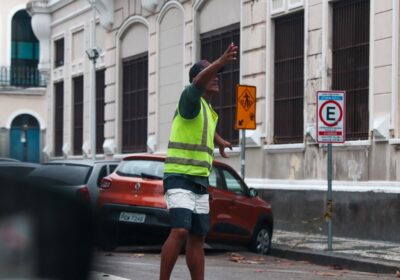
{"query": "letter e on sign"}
(245, 107)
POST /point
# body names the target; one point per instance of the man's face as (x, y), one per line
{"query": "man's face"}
(213, 85)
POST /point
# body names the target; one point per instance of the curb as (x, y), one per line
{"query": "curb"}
(335, 259)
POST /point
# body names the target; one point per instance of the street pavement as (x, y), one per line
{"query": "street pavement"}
(364, 255)
(293, 256)
(142, 264)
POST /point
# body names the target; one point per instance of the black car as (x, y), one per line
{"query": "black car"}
(80, 177)
(16, 169)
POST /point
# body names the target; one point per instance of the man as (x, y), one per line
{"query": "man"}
(188, 164)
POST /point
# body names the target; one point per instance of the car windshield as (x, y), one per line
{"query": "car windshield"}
(151, 169)
(62, 174)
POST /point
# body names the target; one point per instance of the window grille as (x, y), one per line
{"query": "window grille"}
(134, 104)
(100, 105)
(78, 115)
(213, 45)
(350, 58)
(289, 79)
(59, 118)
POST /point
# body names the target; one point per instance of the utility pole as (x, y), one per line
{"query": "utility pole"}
(93, 54)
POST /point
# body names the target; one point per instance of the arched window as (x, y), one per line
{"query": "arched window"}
(24, 51)
(134, 58)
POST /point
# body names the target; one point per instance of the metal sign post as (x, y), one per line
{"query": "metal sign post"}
(330, 129)
(329, 202)
(243, 153)
(245, 117)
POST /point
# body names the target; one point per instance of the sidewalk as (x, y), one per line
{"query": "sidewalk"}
(349, 253)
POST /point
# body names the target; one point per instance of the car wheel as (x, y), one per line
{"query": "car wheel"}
(261, 241)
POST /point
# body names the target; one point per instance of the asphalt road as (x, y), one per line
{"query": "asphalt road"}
(139, 263)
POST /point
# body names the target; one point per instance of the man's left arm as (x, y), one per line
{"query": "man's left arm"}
(222, 144)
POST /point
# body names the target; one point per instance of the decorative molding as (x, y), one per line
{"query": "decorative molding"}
(128, 22)
(86, 148)
(34, 114)
(41, 22)
(152, 6)
(71, 16)
(77, 68)
(105, 9)
(381, 128)
(66, 149)
(349, 145)
(293, 4)
(320, 185)
(285, 148)
(109, 147)
(54, 5)
(277, 6)
(169, 5)
(58, 74)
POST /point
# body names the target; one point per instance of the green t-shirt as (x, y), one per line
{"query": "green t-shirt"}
(189, 107)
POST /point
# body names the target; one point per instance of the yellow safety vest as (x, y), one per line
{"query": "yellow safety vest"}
(191, 143)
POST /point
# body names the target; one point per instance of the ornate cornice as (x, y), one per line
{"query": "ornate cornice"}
(152, 6)
(105, 8)
(37, 6)
(41, 22)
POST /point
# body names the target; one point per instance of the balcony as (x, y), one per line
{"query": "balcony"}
(20, 77)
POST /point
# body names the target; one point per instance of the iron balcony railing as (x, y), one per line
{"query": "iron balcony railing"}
(21, 76)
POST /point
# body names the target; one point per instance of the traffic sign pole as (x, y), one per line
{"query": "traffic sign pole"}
(243, 153)
(330, 118)
(329, 203)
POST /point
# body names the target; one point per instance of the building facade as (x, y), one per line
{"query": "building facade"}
(23, 115)
(289, 49)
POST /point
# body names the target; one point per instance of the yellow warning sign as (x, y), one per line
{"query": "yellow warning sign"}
(245, 107)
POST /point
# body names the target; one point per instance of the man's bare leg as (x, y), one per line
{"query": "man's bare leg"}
(195, 256)
(170, 251)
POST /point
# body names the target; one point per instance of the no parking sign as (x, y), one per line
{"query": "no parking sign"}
(331, 116)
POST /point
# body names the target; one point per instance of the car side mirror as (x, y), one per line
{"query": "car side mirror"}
(253, 192)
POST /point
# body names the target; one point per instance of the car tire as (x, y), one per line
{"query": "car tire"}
(261, 240)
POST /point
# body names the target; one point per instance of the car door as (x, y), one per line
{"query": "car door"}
(219, 203)
(243, 208)
(227, 223)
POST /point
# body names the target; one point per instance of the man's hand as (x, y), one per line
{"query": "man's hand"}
(229, 54)
(222, 146)
(209, 73)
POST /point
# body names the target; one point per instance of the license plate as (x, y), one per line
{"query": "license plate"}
(132, 217)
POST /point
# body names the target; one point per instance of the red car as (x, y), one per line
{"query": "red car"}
(131, 203)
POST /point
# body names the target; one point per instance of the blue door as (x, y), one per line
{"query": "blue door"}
(25, 139)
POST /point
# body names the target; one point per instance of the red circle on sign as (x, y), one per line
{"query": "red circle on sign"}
(340, 113)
